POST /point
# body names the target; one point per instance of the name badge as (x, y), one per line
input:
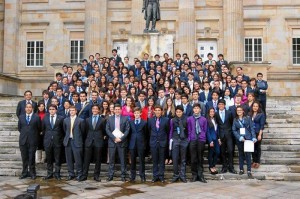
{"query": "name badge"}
(242, 131)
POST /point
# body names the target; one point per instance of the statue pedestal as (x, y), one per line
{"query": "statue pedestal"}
(151, 43)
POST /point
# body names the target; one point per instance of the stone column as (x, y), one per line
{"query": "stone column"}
(95, 35)
(233, 30)
(187, 27)
(11, 31)
(137, 17)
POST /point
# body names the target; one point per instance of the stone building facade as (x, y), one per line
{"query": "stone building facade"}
(38, 36)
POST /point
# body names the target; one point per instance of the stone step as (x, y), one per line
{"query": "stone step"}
(9, 133)
(280, 147)
(279, 154)
(286, 161)
(275, 141)
(281, 136)
(281, 130)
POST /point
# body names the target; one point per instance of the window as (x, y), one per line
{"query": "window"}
(296, 50)
(35, 53)
(253, 49)
(77, 51)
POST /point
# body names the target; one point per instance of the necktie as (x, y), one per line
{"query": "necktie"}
(28, 119)
(28, 102)
(215, 105)
(94, 121)
(123, 102)
(52, 121)
(72, 124)
(157, 123)
(222, 116)
(136, 122)
(117, 122)
(181, 129)
(66, 112)
(197, 126)
(184, 107)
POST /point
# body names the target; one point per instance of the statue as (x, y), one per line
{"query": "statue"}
(152, 13)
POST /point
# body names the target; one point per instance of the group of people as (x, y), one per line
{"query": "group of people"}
(167, 110)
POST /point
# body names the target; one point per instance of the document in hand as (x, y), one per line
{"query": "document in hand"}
(170, 144)
(248, 146)
(117, 133)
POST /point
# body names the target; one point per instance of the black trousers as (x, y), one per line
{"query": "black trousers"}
(28, 158)
(179, 152)
(257, 151)
(158, 159)
(133, 155)
(226, 151)
(244, 156)
(112, 157)
(89, 153)
(53, 155)
(74, 154)
(197, 152)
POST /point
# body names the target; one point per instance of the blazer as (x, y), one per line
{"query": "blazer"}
(212, 134)
(78, 131)
(209, 105)
(191, 126)
(233, 93)
(259, 122)
(224, 128)
(29, 131)
(145, 64)
(55, 134)
(202, 97)
(83, 114)
(246, 123)
(262, 85)
(189, 110)
(21, 107)
(97, 134)
(138, 104)
(158, 136)
(124, 128)
(138, 134)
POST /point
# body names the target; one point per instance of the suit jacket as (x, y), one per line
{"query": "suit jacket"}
(212, 134)
(262, 85)
(209, 105)
(219, 64)
(21, 107)
(138, 134)
(83, 112)
(124, 128)
(78, 131)
(246, 123)
(146, 65)
(189, 110)
(138, 104)
(233, 93)
(224, 128)
(178, 63)
(202, 97)
(97, 134)
(55, 134)
(29, 131)
(158, 136)
(158, 101)
(62, 113)
(259, 122)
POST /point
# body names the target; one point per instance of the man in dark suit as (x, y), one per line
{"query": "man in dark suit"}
(117, 58)
(52, 127)
(161, 98)
(66, 111)
(117, 143)
(46, 99)
(29, 126)
(210, 59)
(187, 108)
(221, 61)
(141, 103)
(178, 62)
(262, 87)
(22, 104)
(146, 63)
(83, 106)
(95, 128)
(239, 71)
(158, 127)
(224, 121)
(233, 88)
(213, 103)
(137, 145)
(205, 96)
(74, 128)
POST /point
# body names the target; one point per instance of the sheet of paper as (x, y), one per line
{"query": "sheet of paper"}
(248, 146)
(117, 133)
(170, 144)
(242, 131)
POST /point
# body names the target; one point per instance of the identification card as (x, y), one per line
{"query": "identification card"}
(242, 131)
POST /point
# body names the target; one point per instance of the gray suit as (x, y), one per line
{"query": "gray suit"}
(120, 147)
(74, 146)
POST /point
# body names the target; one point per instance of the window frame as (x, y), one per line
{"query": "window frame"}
(35, 53)
(253, 49)
(78, 50)
(295, 64)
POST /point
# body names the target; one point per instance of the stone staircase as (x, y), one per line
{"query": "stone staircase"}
(280, 147)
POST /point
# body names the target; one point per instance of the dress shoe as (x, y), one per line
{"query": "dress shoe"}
(174, 179)
(81, 178)
(224, 170)
(250, 176)
(33, 177)
(154, 180)
(232, 171)
(257, 165)
(69, 178)
(97, 179)
(241, 172)
(109, 179)
(143, 180)
(202, 179)
(162, 180)
(183, 180)
(194, 179)
(123, 179)
(132, 180)
(23, 176)
(58, 178)
(48, 177)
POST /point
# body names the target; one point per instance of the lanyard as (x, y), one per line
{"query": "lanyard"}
(241, 123)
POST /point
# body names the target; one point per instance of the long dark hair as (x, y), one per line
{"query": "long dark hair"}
(210, 124)
(259, 108)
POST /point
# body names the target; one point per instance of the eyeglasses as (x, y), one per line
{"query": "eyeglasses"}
(52, 109)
